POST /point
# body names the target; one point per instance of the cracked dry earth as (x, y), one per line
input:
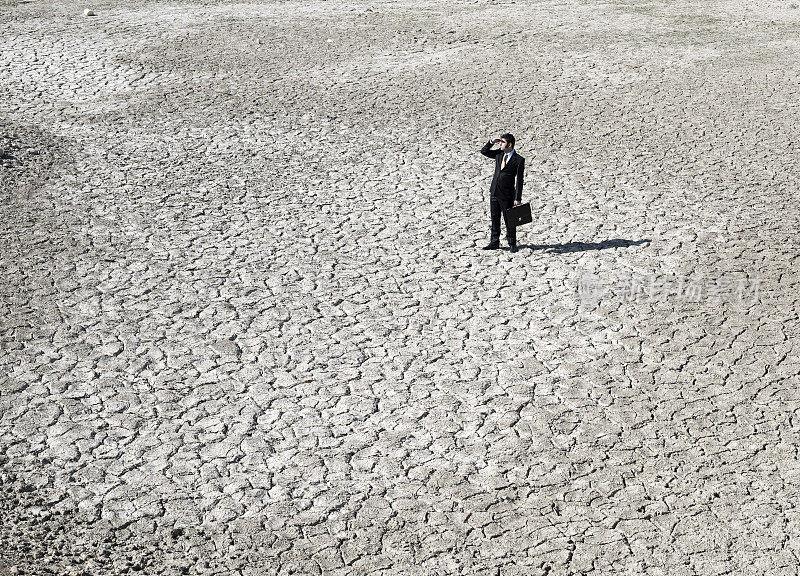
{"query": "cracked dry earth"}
(246, 328)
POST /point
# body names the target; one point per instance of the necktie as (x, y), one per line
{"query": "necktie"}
(503, 163)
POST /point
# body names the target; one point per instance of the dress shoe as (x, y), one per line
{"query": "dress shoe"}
(514, 249)
(491, 246)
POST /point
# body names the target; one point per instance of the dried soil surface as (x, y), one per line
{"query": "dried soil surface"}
(246, 327)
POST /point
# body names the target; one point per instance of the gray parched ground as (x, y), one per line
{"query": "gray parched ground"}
(246, 327)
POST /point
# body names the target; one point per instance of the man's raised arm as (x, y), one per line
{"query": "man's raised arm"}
(487, 149)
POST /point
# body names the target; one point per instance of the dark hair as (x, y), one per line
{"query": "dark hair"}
(509, 138)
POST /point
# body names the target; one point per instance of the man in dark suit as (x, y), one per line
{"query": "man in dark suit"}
(506, 188)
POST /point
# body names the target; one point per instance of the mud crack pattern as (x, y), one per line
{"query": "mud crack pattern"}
(246, 328)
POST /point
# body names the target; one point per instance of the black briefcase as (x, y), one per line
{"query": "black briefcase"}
(519, 215)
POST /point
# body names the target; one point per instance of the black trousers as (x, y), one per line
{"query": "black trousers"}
(497, 206)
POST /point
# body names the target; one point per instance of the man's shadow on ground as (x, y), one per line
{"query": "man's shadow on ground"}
(584, 246)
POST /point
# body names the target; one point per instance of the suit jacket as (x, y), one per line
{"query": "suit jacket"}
(506, 183)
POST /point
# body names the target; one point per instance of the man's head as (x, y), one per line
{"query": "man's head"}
(507, 142)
